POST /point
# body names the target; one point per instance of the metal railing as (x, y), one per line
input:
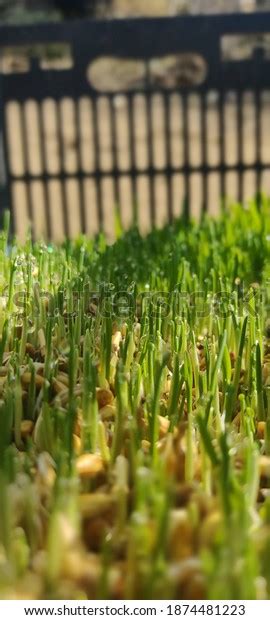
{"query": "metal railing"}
(192, 116)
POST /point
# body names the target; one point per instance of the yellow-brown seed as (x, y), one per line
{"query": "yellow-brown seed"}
(92, 505)
(26, 379)
(209, 528)
(104, 397)
(89, 465)
(180, 535)
(63, 378)
(27, 427)
(30, 350)
(146, 446)
(80, 567)
(260, 430)
(58, 387)
(164, 424)
(264, 466)
(107, 413)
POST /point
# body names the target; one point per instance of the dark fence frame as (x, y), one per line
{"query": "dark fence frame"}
(140, 39)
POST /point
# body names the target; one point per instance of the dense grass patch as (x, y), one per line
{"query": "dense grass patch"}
(135, 413)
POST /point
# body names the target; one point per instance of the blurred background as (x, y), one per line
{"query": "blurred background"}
(37, 10)
(110, 123)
